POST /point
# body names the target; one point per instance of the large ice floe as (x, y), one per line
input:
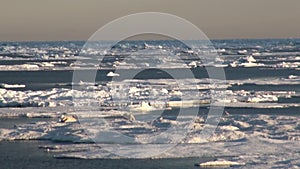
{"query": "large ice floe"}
(159, 94)
(257, 140)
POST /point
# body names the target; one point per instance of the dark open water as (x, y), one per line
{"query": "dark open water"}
(27, 155)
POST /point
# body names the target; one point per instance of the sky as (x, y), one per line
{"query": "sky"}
(31, 20)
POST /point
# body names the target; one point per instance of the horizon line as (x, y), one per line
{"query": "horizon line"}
(214, 39)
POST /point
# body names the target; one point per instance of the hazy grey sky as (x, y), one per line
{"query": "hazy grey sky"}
(78, 19)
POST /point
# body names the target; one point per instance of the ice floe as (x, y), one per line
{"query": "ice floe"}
(159, 94)
(221, 163)
(12, 86)
(249, 61)
(233, 127)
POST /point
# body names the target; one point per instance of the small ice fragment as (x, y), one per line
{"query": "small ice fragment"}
(242, 125)
(251, 59)
(229, 128)
(164, 91)
(193, 64)
(256, 54)
(242, 52)
(29, 67)
(129, 116)
(112, 74)
(176, 93)
(292, 77)
(251, 64)
(67, 119)
(46, 64)
(144, 107)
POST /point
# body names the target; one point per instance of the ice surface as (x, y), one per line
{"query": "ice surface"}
(128, 55)
(259, 141)
(250, 139)
(12, 86)
(159, 94)
(236, 127)
(221, 163)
